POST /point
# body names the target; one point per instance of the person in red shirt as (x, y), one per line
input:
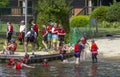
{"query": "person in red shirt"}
(44, 35)
(77, 51)
(61, 35)
(36, 29)
(94, 51)
(9, 31)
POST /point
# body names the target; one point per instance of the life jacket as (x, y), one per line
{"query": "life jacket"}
(76, 48)
(10, 28)
(45, 64)
(35, 28)
(18, 65)
(94, 47)
(44, 31)
(10, 62)
(20, 35)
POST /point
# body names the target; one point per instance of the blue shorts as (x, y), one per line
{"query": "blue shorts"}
(77, 54)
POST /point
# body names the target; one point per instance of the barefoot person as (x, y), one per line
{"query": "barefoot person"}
(77, 51)
(94, 51)
(44, 38)
(10, 47)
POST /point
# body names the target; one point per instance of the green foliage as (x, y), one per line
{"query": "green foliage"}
(4, 3)
(100, 13)
(57, 10)
(105, 24)
(113, 13)
(79, 21)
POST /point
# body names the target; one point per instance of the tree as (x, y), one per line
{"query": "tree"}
(113, 13)
(4, 3)
(57, 10)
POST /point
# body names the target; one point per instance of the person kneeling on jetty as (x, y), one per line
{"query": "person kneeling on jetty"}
(63, 52)
(19, 65)
(10, 47)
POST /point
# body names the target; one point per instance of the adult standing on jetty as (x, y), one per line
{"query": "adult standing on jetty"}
(30, 37)
(9, 31)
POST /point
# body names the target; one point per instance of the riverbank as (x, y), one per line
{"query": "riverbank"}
(108, 46)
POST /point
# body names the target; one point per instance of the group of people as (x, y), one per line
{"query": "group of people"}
(30, 36)
(79, 49)
(53, 36)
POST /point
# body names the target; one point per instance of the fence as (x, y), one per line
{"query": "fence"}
(77, 33)
(15, 10)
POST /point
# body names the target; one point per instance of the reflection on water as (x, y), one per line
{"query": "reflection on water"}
(57, 69)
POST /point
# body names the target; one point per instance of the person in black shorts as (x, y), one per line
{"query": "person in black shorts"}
(44, 35)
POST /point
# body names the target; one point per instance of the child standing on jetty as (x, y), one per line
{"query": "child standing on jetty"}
(94, 51)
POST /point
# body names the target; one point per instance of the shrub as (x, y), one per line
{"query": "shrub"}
(100, 13)
(113, 13)
(79, 21)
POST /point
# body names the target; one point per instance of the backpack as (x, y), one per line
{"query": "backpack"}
(32, 38)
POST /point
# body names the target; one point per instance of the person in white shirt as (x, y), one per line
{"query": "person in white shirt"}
(22, 32)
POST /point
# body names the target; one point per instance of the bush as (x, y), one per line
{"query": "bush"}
(113, 13)
(100, 13)
(79, 21)
(105, 24)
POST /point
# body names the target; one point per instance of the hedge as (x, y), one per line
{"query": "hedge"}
(79, 21)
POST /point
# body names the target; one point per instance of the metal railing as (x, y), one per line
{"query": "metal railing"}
(15, 10)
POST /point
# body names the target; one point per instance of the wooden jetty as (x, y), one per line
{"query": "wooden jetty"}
(35, 58)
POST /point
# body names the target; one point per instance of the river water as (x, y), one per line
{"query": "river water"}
(104, 68)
